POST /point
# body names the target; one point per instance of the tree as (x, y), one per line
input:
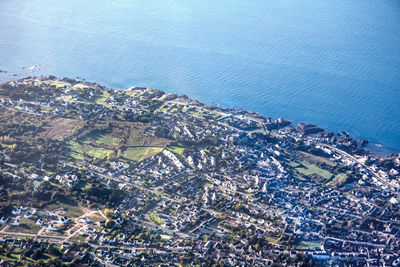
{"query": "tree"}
(111, 155)
(109, 213)
(3, 194)
(37, 254)
(28, 252)
(53, 251)
(110, 224)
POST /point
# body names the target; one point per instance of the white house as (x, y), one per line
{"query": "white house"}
(84, 220)
(51, 227)
(15, 223)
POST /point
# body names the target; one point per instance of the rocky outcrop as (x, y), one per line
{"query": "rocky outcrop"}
(328, 136)
(184, 99)
(168, 97)
(363, 142)
(276, 124)
(282, 122)
(156, 94)
(346, 143)
(305, 128)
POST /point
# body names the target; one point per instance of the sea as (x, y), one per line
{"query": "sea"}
(332, 63)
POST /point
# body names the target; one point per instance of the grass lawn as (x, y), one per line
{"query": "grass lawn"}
(165, 237)
(103, 98)
(77, 150)
(46, 109)
(98, 152)
(307, 245)
(153, 217)
(310, 158)
(107, 139)
(96, 217)
(76, 155)
(176, 149)
(295, 172)
(260, 130)
(80, 86)
(59, 84)
(271, 240)
(197, 112)
(37, 83)
(7, 259)
(140, 153)
(137, 93)
(151, 151)
(163, 108)
(338, 178)
(54, 233)
(101, 139)
(135, 153)
(87, 186)
(57, 185)
(293, 164)
(314, 169)
(26, 226)
(75, 147)
(71, 211)
(14, 258)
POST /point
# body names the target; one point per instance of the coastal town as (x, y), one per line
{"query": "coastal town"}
(94, 176)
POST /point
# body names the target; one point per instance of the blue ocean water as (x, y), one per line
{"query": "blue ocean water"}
(333, 63)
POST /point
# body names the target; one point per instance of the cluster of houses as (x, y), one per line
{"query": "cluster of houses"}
(45, 220)
(67, 179)
(228, 191)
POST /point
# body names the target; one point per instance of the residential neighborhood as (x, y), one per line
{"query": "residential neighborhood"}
(121, 177)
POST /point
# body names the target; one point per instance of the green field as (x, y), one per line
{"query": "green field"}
(75, 146)
(165, 237)
(77, 150)
(308, 245)
(260, 130)
(59, 84)
(299, 177)
(76, 155)
(80, 86)
(178, 150)
(163, 108)
(310, 169)
(153, 217)
(26, 226)
(339, 178)
(99, 153)
(71, 211)
(293, 164)
(140, 153)
(271, 240)
(103, 98)
(313, 159)
(101, 139)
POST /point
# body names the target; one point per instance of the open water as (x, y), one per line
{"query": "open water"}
(333, 63)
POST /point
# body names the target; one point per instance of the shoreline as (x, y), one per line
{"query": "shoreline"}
(377, 149)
